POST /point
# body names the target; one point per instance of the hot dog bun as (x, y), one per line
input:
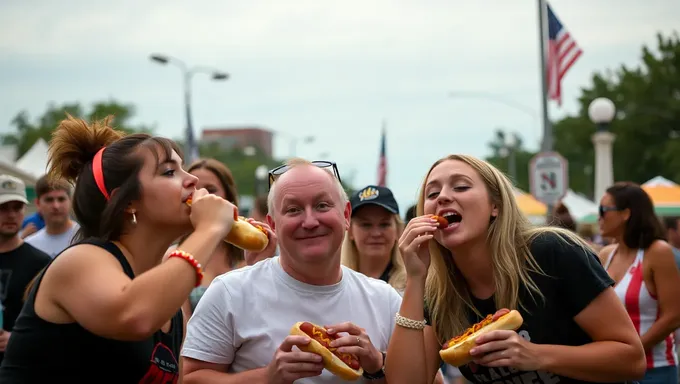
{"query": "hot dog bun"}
(330, 360)
(456, 351)
(245, 235)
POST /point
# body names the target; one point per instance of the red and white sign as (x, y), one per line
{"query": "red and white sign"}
(548, 177)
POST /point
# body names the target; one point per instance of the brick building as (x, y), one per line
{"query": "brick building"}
(241, 137)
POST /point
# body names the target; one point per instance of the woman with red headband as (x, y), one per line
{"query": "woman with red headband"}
(106, 309)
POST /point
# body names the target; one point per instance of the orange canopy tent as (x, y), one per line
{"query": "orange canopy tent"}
(665, 195)
(532, 208)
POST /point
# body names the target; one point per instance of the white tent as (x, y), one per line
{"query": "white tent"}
(578, 205)
(34, 161)
(8, 153)
(659, 181)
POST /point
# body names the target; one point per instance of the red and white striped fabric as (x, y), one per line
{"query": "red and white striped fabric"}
(563, 51)
(643, 309)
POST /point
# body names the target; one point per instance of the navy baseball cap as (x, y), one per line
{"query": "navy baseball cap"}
(376, 195)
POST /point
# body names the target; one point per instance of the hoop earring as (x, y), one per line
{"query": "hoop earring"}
(134, 218)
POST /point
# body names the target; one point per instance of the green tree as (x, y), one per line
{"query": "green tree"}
(28, 132)
(503, 145)
(242, 165)
(647, 124)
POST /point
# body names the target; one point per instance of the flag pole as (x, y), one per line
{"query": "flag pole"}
(547, 143)
(382, 161)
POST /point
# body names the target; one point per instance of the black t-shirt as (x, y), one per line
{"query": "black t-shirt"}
(574, 278)
(17, 268)
(44, 352)
(386, 273)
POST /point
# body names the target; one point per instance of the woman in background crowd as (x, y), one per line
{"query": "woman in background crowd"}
(491, 257)
(370, 244)
(648, 279)
(107, 302)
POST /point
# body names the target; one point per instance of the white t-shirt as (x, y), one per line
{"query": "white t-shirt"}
(245, 314)
(53, 244)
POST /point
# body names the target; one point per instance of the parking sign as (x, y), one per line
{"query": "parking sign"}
(548, 177)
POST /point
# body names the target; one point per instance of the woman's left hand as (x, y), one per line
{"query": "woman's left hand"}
(506, 349)
(269, 251)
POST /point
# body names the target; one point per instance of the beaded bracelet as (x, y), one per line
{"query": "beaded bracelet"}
(194, 263)
(409, 323)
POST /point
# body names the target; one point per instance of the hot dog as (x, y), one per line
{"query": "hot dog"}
(456, 351)
(245, 235)
(441, 221)
(343, 365)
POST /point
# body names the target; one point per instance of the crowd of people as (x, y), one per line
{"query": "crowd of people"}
(142, 288)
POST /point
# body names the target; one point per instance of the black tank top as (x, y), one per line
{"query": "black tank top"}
(44, 352)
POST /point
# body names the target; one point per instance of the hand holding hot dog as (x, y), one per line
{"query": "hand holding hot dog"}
(506, 348)
(211, 212)
(241, 233)
(357, 343)
(253, 257)
(288, 365)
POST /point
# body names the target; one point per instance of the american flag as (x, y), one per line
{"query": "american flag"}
(382, 163)
(562, 54)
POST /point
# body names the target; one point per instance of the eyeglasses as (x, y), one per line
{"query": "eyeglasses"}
(280, 170)
(602, 209)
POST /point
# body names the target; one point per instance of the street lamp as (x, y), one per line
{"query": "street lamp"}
(509, 151)
(261, 174)
(294, 141)
(601, 112)
(191, 149)
(305, 140)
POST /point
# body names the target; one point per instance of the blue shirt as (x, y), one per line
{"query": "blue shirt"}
(36, 219)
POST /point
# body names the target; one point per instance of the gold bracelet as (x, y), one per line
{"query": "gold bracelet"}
(409, 323)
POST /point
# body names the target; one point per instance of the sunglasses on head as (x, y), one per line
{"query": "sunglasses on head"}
(602, 209)
(280, 170)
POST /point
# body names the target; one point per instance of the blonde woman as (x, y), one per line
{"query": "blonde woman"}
(575, 329)
(370, 245)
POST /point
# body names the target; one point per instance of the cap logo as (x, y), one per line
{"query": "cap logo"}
(9, 184)
(368, 194)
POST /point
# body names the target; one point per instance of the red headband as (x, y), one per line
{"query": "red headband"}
(98, 172)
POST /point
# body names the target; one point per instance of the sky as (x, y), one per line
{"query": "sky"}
(335, 70)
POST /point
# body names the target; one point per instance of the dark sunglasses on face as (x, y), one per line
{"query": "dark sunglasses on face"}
(280, 170)
(602, 210)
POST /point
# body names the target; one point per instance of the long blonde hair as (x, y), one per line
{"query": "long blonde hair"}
(509, 237)
(397, 276)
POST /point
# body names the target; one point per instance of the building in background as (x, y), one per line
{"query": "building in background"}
(239, 137)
